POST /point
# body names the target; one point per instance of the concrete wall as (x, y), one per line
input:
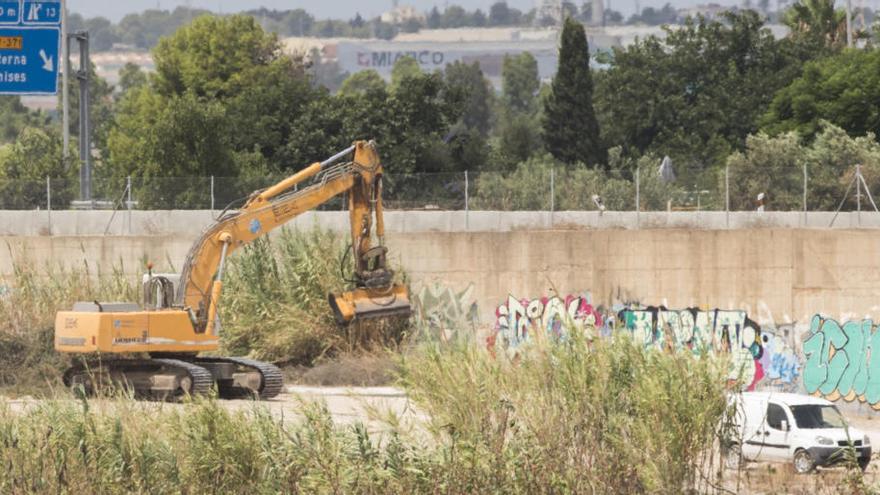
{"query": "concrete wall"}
(779, 276)
(786, 275)
(186, 222)
(778, 273)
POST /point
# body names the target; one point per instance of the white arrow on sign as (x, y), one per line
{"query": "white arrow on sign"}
(47, 61)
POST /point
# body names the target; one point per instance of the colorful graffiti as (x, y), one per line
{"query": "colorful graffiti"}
(840, 362)
(780, 361)
(518, 320)
(759, 358)
(702, 332)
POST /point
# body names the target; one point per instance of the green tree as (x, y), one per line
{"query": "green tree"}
(571, 131)
(214, 56)
(420, 116)
(454, 17)
(167, 141)
(435, 18)
(843, 89)
(131, 77)
(102, 35)
(404, 67)
(655, 17)
(520, 82)
(224, 101)
(17, 117)
(298, 22)
(144, 30)
(499, 14)
(817, 20)
(473, 91)
(362, 82)
(24, 166)
(698, 93)
(519, 139)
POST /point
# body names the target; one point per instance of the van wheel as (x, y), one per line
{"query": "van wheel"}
(733, 457)
(863, 464)
(803, 462)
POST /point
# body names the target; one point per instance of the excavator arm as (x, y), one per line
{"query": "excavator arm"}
(375, 294)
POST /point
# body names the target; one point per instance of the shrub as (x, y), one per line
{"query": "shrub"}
(528, 186)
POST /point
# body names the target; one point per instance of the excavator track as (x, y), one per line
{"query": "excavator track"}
(181, 378)
(271, 379)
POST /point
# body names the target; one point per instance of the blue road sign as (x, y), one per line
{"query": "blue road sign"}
(39, 12)
(10, 12)
(29, 60)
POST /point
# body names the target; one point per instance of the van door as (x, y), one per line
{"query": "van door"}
(754, 409)
(776, 439)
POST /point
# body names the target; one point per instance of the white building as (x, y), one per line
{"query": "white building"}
(401, 14)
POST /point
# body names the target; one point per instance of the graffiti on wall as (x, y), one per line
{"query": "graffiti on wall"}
(839, 360)
(440, 312)
(519, 320)
(759, 358)
(693, 330)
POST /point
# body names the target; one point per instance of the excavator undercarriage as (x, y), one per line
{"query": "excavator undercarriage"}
(176, 376)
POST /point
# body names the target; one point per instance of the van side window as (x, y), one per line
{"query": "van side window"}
(775, 416)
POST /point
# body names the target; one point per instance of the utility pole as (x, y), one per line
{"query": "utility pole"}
(85, 136)
(65, 105)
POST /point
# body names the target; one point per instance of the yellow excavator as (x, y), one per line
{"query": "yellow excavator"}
(154, 349)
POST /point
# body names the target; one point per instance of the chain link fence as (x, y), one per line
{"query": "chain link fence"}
(770, 189)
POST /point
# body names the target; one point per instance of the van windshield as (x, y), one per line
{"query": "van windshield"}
(813, 416)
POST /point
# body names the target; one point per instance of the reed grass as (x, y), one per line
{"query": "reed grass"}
(570, 418)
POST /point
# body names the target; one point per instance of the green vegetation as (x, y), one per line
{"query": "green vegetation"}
(698, 93)
(608, 417)
(776, 164)
(835, 89)
(275, 298)
(571, 132)
(226, 101)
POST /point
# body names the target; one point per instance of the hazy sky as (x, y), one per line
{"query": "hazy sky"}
(340, 9)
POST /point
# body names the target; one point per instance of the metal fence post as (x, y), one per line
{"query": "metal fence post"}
(212, 193)
(805, 194)
(727, 195)
(552, 193)
(859, 194)
(466, 202)
(128, 188)
(638, 208)
(49, 203)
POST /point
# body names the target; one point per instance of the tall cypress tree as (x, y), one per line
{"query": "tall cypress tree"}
(571, 131)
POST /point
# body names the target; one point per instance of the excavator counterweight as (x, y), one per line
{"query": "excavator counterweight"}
(180, 315)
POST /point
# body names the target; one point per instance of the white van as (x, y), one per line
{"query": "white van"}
(803, 430)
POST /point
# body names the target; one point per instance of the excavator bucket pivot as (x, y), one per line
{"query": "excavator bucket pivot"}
(359, 304)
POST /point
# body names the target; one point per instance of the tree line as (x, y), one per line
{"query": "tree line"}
(713, 95)
(143, 30)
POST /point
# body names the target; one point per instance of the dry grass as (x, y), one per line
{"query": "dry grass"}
(360, 369)
(275, 301)
(28, 305)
